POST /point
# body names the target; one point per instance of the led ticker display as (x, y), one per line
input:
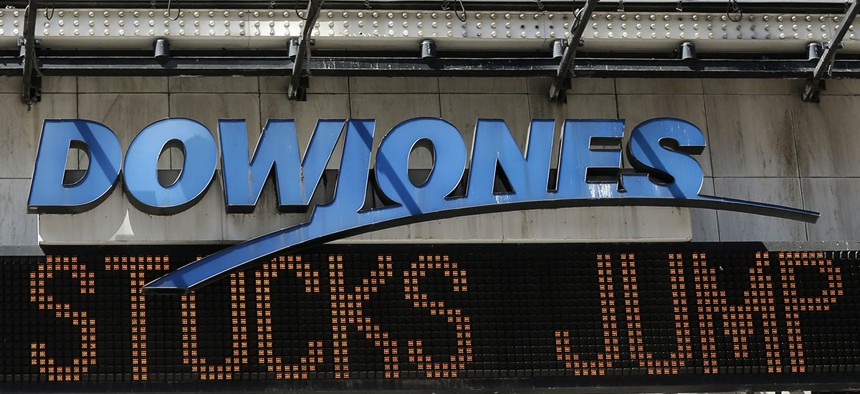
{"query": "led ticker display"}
(439, 316)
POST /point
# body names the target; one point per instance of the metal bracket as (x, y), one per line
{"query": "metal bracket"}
(815, 85)
(561, 82)
(31, 90)
(299, 81)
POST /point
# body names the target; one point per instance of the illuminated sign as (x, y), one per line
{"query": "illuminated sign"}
(525, 315)
(589, 174)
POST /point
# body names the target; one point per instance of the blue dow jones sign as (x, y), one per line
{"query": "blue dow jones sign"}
(589, 174)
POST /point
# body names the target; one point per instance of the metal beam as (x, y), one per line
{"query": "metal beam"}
(823, 69)
(559, 85)
(31, 89)
(299, 78)
(253, 64)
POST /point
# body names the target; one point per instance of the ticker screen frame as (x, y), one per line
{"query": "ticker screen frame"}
(531, 310)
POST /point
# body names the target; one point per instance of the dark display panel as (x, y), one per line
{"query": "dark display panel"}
(438, 316)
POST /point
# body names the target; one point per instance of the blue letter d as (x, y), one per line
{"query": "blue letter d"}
(48, 191)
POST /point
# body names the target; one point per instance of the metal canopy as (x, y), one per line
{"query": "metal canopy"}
(617, 33)
(488, 39)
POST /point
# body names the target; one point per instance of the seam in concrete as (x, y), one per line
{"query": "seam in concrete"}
(710, 159)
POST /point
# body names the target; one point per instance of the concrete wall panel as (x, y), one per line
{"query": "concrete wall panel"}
(482, 85)
(746, 86)
(598, 224)
(598, 106)
(836, 199)
(658, 86)
(122, 84)
(480, 228)
(17, 227)
(841, 87)
(59, 85)
(408, 85)
(186, 84)
(578, 86)
(751, 136)
(463, 111)
(10, 85)
(828, 136)
(746, 227)
(704, 221)
(49, 85)
(22, 130)
(319, 85)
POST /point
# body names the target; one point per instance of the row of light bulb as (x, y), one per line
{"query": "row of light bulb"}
(441, 23)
